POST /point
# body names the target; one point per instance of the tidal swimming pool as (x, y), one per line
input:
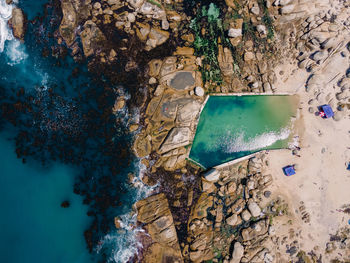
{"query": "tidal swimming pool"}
(231, 127)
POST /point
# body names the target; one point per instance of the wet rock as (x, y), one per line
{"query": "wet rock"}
(154, 212)
(182, 80)
(117, 223)
(17, 23)
(65, 204)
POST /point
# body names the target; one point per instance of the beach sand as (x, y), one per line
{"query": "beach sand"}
(322, 183)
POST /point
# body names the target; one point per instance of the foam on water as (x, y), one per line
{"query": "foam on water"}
(5, 15)
(124, 243)
(232, 144)
(15, 50)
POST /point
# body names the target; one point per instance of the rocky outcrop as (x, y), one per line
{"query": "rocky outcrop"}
(92, 38)
(154, 214)
(74, 12)
(17, 23)
(228, 214)
(172, 114)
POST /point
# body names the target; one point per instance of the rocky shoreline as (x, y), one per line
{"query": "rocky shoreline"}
(174, 57)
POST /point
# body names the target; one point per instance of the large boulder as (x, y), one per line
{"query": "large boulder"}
(92, 38)
(69, 22)
(155, 214)
(177, 137)
(187, 112)
(254, 209)
(17, 23)
(212, 175)
(237, 254)
(74, 12)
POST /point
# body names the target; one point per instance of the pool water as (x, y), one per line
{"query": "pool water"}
(231, 127)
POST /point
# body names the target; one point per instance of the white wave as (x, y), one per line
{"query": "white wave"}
(239, 144)
(15, 52)
(125, 243)
(5, 15)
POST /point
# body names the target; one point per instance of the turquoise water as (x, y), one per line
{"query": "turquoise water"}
(231, 127)
(34, 226)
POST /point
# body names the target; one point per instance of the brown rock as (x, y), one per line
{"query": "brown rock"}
(17, 23)
(142, 146)
(154, 67)
(154, 212)
(248, 56)
(71, 18)
(184, 51)
(156, 37)
(142, 31)
(92, 38)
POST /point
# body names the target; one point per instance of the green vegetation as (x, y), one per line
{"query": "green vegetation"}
(208, 29)
(153, 2)
(267, 19)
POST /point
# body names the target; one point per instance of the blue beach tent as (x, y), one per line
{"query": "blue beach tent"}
(288, 170)
(328, 112)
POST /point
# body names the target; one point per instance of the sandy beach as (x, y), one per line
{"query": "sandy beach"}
(322, 182)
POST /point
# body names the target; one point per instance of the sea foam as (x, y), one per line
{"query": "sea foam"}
(5, 15)
(124, 244)
(15, 51)
(232, 144)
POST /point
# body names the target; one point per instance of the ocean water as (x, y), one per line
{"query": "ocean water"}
(231, 127)
(34, 226)
(65, 142)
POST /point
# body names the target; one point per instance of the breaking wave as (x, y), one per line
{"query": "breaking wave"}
(15, 51)
(125, 243)
(238, 143)
(5, 15)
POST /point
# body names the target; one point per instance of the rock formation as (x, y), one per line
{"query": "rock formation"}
(154, 214)
(17, 23)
